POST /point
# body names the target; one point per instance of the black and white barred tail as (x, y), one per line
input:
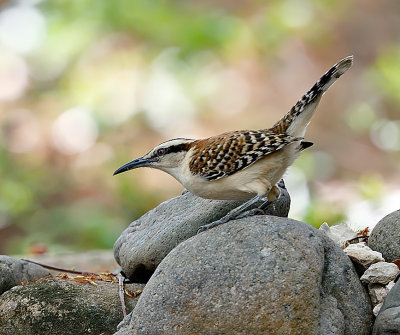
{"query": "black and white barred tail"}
(295, 122)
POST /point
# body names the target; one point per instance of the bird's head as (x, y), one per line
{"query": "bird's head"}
(165, 156)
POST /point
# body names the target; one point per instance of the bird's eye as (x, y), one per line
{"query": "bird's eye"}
(161, 152)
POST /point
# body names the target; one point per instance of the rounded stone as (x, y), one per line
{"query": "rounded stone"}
(385, 237)
(144, 244)
(257, 275)
(13, 271)
(62, 307)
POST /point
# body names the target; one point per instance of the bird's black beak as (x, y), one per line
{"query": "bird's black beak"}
(136, 163)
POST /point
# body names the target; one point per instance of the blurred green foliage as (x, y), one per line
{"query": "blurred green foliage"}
(164, 23)
(319, 210)
(371, 187)
(104, 81)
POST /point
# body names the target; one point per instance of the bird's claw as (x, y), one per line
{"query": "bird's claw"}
(232, 216)
(222, 220)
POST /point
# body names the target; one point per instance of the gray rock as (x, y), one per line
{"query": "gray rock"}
(377, 308)
(390, 285)
(388, 320)
(340, 233)
(378, 293)
(54, 306)
(144, 244)
(258, 275)
(362, 255)
(14, 271)
(385, 237)
(380, 273)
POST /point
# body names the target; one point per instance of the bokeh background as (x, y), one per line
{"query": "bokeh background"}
(87, 85)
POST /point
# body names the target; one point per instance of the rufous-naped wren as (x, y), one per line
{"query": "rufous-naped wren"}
(244, 164)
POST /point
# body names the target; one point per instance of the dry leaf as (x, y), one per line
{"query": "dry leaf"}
(90, 278)
(132, 294)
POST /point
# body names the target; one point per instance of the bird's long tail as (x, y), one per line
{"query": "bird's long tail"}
(295, 122)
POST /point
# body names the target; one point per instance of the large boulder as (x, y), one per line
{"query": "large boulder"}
(145, 243)
(60, 307)
(257, 275)
(385, 237)
(14, 271)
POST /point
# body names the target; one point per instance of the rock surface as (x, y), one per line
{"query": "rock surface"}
(60, 307)
(258, 275)
(144, 244)
(340, 233)
(388, 320)
(378, 293)
(385, 237)
(380, 273)
(14, 271)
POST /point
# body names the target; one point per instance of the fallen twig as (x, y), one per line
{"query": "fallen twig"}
(121, 279)
(50, 267)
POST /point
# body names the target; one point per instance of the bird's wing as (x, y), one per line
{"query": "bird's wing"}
(223, 155)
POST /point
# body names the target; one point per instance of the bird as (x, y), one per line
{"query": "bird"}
(242, 164)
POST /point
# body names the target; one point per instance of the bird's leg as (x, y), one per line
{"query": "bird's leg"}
(233, 214)
(274, 193)
(241, 211)
(271, 197)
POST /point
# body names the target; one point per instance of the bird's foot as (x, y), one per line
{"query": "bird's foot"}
(233, 214)
(251, 212)
(222, 220)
